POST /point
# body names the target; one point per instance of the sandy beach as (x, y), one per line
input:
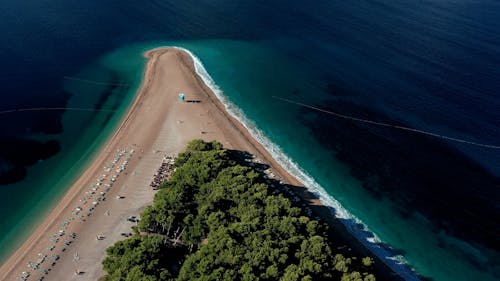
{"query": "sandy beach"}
(116, 185)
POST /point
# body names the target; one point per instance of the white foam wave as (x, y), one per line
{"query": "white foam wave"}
(355, 226)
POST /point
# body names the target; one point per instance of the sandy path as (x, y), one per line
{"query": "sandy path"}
(157, 124)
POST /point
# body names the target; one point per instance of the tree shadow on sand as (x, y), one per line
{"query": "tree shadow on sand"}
(340, 231)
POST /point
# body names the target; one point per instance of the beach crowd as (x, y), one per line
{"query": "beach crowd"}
(163, 173)
(63, 237)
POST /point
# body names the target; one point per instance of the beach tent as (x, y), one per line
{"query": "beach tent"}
(181, 97)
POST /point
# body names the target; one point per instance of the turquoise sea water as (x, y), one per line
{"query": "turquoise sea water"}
(428, 65)
(84, 133)
(241, 70)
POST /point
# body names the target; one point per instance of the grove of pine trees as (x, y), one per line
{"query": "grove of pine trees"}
(215, 219)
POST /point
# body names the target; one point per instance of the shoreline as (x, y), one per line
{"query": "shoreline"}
(75, 170)
(172, 125)
(338, 229)
(8, 266)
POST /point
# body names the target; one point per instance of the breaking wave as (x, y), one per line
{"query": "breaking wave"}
(355, 226)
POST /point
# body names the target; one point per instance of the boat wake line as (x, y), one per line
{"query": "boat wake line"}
(68, 108)
(54, 108)
(490, 146)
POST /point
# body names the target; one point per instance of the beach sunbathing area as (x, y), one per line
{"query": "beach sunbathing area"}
(105, 202)
(100, 207)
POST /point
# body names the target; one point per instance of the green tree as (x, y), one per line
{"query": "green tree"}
(215, 219)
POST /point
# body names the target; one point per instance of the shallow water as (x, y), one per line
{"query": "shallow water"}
(83, 133)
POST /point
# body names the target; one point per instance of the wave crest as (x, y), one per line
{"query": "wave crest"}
(354, 225)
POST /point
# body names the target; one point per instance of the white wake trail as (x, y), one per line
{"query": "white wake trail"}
(388, 125)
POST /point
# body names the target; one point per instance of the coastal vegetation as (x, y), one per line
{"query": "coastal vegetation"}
(219, 219)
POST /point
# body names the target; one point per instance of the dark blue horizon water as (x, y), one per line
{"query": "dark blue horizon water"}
(431, 65)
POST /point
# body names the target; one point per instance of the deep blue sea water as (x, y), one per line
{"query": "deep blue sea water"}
(429, 65)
